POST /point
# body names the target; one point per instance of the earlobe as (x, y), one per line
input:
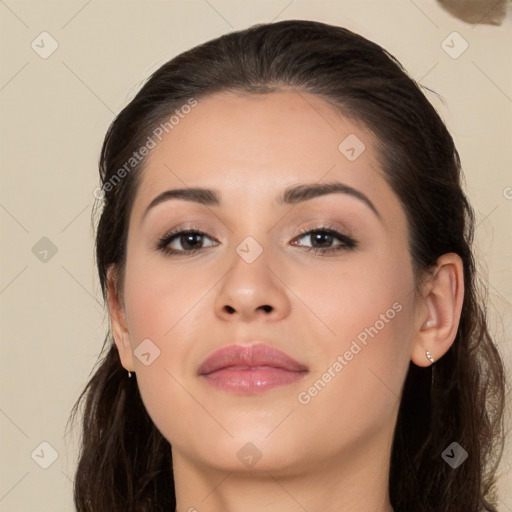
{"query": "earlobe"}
(441, 308)
(118, 322)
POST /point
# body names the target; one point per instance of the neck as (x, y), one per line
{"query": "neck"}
(332, 485)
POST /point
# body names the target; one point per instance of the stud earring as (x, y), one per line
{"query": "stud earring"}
(429, 357)
(129, 375)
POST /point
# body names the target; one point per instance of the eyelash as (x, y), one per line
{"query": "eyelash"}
(347, 243)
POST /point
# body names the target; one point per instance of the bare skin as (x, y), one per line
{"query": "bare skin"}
(327, 449)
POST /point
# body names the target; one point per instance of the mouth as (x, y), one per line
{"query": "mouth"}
(250, 369)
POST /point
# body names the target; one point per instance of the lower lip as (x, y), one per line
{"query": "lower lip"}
(251, 381)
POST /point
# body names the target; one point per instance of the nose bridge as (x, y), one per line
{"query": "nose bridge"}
(251, 288)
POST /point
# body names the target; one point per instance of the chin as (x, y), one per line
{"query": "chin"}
(249, 454)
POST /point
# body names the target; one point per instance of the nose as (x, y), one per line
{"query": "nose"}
(252, 291)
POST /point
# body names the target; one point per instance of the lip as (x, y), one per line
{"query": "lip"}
(250, 369)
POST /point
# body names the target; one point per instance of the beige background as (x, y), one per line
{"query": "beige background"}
(54, 114)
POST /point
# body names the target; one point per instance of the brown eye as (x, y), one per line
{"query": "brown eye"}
(187, 241)
(322, 240)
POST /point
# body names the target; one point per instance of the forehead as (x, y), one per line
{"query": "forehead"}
(251, 146)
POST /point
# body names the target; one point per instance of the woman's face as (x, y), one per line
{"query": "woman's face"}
(339, 302)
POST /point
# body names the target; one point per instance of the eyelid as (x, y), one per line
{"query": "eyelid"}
(319, 225)
(186, 227)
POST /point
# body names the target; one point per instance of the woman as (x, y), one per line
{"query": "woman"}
(285, 251)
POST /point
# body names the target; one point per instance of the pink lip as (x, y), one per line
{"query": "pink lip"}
(249, 369)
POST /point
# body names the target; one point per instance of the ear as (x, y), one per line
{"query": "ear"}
(439, 310)
(118, 322)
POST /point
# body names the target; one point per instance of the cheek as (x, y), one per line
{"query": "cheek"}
(166, 307)
(354, 395)
(160, 297)
(368, 308)
(367, 296)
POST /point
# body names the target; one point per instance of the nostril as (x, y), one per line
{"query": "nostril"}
(229, 309)
(267, 308)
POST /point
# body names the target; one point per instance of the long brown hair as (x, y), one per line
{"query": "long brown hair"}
(125, 464)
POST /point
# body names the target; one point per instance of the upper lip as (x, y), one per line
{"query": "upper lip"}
(251, 356)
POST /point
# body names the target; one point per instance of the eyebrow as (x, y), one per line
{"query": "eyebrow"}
(291, 196)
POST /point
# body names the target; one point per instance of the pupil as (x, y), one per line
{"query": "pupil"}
(327, 238)
(189, 240)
